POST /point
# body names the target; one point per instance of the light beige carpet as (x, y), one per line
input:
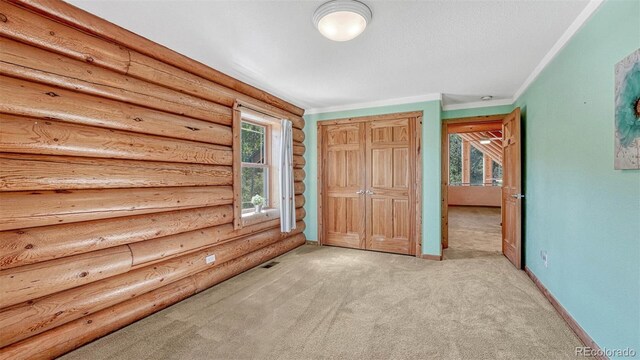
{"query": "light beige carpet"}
(334, 303)
(474, 232)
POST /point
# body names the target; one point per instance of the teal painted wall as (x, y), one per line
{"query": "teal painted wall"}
(430, 165)
(585, 214)
(490, 110)
(580, 210)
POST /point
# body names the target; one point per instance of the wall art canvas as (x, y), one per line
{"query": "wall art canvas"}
(627, 112)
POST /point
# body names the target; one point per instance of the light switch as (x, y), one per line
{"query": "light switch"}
(210, 259)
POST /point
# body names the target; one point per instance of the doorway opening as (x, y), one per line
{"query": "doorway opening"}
(478, 156)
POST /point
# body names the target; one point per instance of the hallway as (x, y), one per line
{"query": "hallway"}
(473, 232)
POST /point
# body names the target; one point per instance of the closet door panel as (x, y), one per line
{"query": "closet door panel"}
(388, 175)
(344, 179)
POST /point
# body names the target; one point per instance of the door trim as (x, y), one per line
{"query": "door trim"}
(416, 222)
(460, 124)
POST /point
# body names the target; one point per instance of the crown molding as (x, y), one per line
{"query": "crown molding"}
(378, 103)
(582, 18)
(477, 104)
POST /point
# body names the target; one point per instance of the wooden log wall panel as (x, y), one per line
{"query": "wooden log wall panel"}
(43, 172)
(23, 209)
(36, 316)
(298, 135)
(300, 213)
(206, 279)
(300, 200)
(73, 334)
(33, 281)
(298, 174)
(32, 245)
(48, 102)
(298, 149)
(28, 27)
(152, 251)
(33, 64)
(82, 20)
(36, 136)
(115, 178)
(149, 69)
(297, 122)
(62, 339)
(298, 161)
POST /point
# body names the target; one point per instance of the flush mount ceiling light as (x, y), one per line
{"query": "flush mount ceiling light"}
(485, 141)
(342, 20)
(486, 98)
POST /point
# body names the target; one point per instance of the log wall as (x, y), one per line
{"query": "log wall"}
(116, 178)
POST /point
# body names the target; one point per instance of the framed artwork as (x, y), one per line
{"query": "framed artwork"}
(627, 113)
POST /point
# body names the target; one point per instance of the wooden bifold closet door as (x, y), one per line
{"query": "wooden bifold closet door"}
(368, 191)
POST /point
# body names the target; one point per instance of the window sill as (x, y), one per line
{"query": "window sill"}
(252, 218)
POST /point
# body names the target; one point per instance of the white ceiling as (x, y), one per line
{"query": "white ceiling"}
(462, 49)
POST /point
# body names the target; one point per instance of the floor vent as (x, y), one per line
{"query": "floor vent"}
(270, 265)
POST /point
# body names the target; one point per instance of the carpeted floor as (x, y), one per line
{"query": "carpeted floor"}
(334, 303)
(474, 232)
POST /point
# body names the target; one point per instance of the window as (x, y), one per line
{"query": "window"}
(255, 163)
(472, 169)
(455, 159)
(496, 172)
(476, 167)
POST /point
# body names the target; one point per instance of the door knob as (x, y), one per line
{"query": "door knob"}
(360, 192)
(369, 192)
(517, 196)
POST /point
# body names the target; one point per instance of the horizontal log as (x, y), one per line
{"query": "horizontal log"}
(21, 172)
(28, 246)
(158, 72)
(300, 201)
(208, 278)
(33, 64)
(35, 136)
(298, 135)
(33, 281)
(67, 337)
(32, 28)
(298, 174)
(298, 188)
(298, 161)
(76, 333)
(152, 251)
(26, 98)
(298, 149)
(23, 209)
(27, 319)
(85, 21)
(300, 214)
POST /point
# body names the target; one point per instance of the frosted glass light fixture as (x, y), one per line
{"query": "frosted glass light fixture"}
(342, 20)
(485, 141)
